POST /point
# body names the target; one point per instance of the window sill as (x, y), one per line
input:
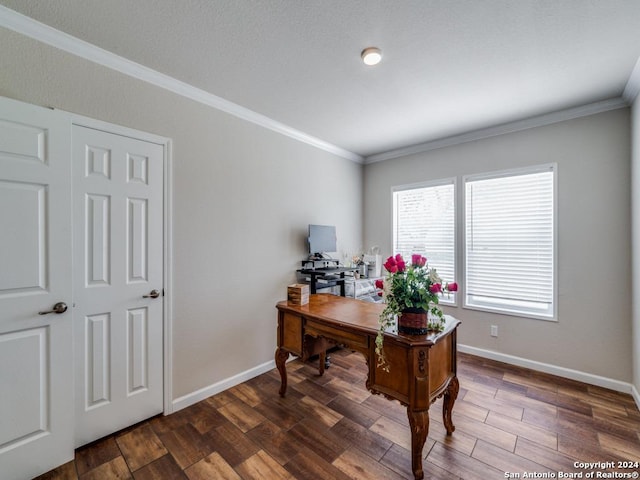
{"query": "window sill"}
(511, 313)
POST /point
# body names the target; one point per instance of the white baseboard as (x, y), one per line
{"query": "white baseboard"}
(589, 378)
(198, 395)
(636, 395)
(201, 394)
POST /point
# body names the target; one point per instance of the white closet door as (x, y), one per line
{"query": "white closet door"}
(118, 324)
(36, 381)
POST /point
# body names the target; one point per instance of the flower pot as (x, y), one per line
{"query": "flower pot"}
(413, 321)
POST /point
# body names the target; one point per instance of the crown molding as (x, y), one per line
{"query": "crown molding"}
(494, 131)
(632, 88)
(29, 27)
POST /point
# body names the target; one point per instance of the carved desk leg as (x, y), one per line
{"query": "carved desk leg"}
(322, 356)
(450, 396)
(281, 358)
(419, 423)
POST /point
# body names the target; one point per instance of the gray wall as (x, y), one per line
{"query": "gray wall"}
(593, 332)
(243, 197)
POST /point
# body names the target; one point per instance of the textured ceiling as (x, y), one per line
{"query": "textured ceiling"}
(449, 66)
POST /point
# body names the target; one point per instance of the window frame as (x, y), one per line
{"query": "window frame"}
(446, 299)
(546, 167)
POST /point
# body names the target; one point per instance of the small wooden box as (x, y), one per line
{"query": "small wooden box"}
(298, 294)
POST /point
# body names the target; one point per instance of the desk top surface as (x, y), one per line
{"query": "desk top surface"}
(357, 315)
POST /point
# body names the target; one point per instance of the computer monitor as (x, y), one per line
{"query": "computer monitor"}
(322, 239)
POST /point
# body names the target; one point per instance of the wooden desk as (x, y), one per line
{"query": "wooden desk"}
(422, 368)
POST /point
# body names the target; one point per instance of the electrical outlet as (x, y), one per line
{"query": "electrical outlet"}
(494, 330)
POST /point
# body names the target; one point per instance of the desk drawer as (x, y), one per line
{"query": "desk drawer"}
(350, 339)
(291, 334)
(440, 365)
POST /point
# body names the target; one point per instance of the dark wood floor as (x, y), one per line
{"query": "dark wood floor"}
(507, 419)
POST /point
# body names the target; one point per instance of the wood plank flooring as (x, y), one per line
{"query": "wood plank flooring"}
(509, 421)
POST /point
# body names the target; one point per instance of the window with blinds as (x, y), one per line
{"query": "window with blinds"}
(424, 223)
(509, 242)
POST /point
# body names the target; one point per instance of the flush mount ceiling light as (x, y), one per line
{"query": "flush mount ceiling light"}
(371, 55)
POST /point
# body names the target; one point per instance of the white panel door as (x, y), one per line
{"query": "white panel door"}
(118, 324)
(36, 399)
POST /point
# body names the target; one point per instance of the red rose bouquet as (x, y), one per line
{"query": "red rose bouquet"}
(415, 287)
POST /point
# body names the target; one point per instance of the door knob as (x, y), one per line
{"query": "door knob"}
(152, 294)
(59, 307)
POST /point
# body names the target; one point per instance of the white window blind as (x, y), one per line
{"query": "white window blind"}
(424, 223)
(510, 243)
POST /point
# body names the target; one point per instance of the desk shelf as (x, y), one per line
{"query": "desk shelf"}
(317, 276)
